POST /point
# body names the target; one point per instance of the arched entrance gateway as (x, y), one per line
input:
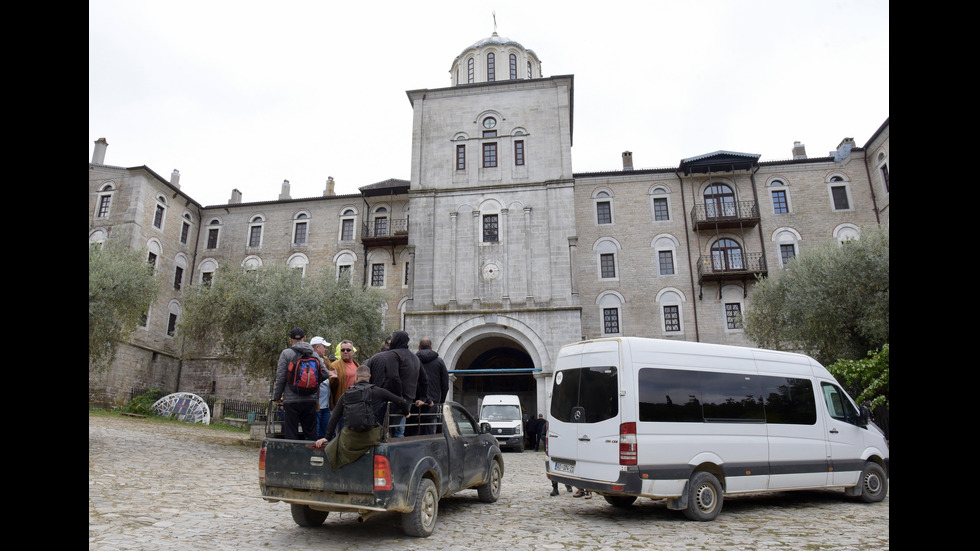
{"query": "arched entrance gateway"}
(496, 355)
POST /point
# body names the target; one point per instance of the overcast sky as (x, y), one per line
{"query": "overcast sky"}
(245, 94)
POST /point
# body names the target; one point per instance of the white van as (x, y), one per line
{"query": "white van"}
(690, 422)
(503, 412)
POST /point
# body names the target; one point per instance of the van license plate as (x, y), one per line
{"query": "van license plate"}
(564, 467)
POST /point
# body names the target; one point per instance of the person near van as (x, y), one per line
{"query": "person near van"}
(535, 430)
(438, 386)
(298, 409)
(403, 376)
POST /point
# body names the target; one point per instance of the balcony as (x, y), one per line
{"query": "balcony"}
(731, 267)
(389, 234)
(719, 215)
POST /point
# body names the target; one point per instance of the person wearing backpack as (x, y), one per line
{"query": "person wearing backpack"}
(298, 375)
(358, 406)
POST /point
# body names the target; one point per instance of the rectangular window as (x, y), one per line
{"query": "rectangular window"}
(206, 278)
(104, 203)
(513, 67)
(185, 228)
(610, 321)
(378, 275)
(158, 217)
(490, 228)
(469, 68)
(213, 238)
(519, 153)
(299, 236)
(172, 325)
(884, 176)
(779, 203)
(460, 157)
(603, 212)
(607, 265)
(406, 274)
(347, 230)
(151, 259)
(666, 262)
(178, 276)
(672, 318)
(787, 253)
(489, 133)
(590, 393)
(733, 315)
(660, 209)
(343, 272)
(254, 236)
(839, 194)
(380, 226)
(489, 155)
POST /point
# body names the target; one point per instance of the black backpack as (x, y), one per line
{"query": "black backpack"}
(358, 408)
(303, 374)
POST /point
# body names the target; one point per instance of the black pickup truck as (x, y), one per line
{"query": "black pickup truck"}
(408, 475)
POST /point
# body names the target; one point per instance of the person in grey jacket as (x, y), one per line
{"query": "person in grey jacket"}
(298, 409)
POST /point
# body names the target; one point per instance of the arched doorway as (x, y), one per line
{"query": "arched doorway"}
(493, 365)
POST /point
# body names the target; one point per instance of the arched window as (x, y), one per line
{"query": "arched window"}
(380, 222)
(104, 201)
(513, 67)
(301, 228)
(469, 70)
(726, 255)
(719, 201)
(490, 67)
(159, 215)
(255, 226)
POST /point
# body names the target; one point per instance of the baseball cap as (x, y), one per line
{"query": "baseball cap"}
(297, 333)
(319, 340)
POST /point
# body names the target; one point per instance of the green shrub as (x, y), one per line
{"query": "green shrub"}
(143, 404)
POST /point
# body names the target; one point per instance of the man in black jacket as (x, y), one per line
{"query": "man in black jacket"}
(400, 372)
(438, 387)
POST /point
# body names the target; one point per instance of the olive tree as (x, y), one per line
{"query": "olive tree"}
(121, 288)
(831, 301)
(246, 315)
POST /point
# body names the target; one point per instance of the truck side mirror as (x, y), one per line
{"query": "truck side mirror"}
(484, 428)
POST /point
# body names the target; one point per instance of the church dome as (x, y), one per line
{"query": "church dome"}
(493, 59)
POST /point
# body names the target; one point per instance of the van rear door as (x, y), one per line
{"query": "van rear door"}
(585, 412)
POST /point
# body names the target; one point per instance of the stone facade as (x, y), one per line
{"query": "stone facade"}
(493, 248)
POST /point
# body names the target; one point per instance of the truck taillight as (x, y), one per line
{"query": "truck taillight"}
(627, 444)
(262, 465)
(382, 473)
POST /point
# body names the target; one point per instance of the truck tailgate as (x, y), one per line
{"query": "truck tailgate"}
(299, 464)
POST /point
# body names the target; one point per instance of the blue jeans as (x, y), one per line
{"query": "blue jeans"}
(322, 420)
(397, 425)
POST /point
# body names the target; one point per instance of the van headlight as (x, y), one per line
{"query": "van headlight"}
(518, 431)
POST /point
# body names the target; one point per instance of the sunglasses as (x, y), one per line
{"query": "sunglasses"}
(346, 349)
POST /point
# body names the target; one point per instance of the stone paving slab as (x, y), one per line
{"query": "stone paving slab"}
(170, 486)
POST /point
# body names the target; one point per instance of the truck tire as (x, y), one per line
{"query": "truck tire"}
(490, 491)
(874, 483)
(421, 521)
(304, 516)
(704, 497)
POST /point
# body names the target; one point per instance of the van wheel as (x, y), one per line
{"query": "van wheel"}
(621, 502)
(490, 491)
(704, 497)
(304, 516)
(874, 483)
(421, 521)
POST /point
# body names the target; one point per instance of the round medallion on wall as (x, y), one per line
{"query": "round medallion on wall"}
(489, 122)
(490, 271)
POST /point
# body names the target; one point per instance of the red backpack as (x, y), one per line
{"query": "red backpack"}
(303, 373)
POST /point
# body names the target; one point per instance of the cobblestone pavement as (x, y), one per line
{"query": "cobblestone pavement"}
(170, 486)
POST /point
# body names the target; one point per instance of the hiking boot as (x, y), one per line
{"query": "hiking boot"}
(579, 493)
(554, 492)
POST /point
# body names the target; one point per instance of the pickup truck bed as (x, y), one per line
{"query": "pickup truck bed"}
(408, 475)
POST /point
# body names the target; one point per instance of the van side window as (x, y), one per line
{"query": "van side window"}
(679, 396)
(838, 405)
(585, 395)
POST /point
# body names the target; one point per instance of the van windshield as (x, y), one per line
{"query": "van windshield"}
(501, 413)
(585, 395)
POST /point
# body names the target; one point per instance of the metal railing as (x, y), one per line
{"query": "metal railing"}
(392, 227)
(724, 212)
(745, 263)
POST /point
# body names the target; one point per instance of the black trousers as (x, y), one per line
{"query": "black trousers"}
(295, 414)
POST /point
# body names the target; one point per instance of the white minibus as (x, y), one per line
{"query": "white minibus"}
(503, 412)
(691, 422)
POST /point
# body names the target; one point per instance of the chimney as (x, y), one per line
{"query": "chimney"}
(843, 149)
(627, 160)
(98, 156)
(284, 194)
(236, 197)
(799, 150)
(329, 190)
(175, 178)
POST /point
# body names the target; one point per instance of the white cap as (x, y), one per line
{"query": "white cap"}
(319, 340)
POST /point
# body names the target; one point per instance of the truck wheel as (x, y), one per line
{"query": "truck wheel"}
(490, 491)
(621, 502)
(704, 497)
(874, 483)
(421, 521)
(304, 516)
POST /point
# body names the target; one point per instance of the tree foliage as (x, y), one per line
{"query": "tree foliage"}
(121, 288)
(246, 315)
(831, 301)
(867, 377)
